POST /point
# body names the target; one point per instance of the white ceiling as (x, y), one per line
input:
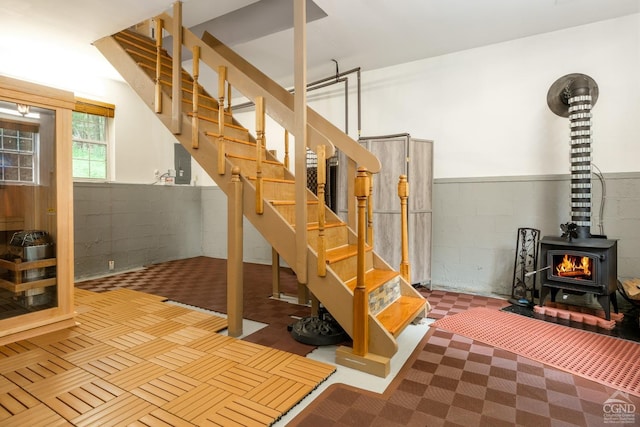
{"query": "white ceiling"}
(38, 37)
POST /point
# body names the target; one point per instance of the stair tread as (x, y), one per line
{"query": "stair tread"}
(373, 279)
(400, 313)
(343, 252)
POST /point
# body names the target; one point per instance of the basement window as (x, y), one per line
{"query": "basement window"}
(90, 151)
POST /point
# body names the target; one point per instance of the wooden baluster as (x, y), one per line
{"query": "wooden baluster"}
(360, 303)
(222, 77)
(286, 149)
(322, 255)
(370, 212)
(229, 98)
(259, 151)
(158, 98)
(195, 120)
(403, 193)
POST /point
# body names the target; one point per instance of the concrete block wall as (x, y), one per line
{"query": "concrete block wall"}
(134, 225)
(214, 230)
(475, 225)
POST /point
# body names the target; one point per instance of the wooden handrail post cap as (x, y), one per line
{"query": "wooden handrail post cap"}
(403, 187)
(235, 174)
(362, 183)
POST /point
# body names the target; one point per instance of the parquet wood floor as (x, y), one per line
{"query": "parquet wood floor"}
(134, 360)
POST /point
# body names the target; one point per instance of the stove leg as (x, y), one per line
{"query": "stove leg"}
(554, 293)
(605, 302)
(614, 301)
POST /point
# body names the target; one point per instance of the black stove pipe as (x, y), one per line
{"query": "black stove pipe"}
(573, 96)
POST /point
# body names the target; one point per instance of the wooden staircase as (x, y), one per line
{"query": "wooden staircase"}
(392, 302)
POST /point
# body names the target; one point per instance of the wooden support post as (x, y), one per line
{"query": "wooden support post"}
(403, 193)
(222, 77)
(234, 255)
(286, 149)
(360, 303)
(158, 97)
(303, 294)
(300, 133)
(275, 273)
(229, 98)
(176, 75)
(315, 306)
(370, 212)
(259, 150)
(322, 246)
(195, 120)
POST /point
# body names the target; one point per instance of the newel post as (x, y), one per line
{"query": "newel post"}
(360, 303)
(234, 254)
(403, 193)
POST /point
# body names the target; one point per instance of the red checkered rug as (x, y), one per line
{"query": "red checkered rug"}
(610, 361)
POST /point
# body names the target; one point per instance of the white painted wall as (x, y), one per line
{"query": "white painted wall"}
(486, 108)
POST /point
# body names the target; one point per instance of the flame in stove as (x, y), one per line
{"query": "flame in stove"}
(571, 267)
(586, 264)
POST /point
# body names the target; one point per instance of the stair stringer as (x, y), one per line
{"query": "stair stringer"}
(330, 290)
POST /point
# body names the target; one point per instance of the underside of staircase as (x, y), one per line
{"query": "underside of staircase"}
(392, 302)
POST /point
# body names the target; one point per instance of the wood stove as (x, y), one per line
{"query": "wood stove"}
(580, 266)
(577, 261)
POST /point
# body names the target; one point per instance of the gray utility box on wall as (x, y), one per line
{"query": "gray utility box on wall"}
(400, 155)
